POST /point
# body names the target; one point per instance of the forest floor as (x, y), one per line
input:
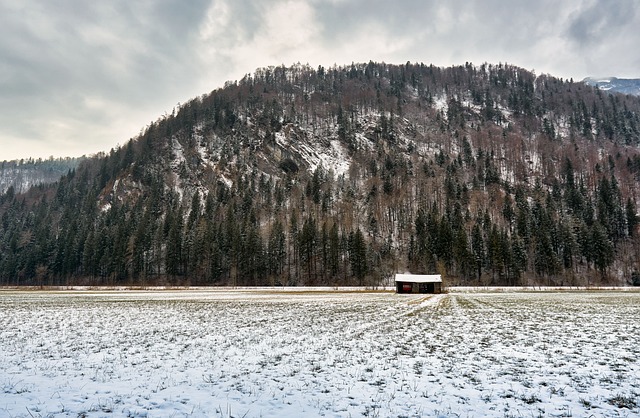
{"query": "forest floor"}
(256, 353)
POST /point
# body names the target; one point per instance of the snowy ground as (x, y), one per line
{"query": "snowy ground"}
(333, 354)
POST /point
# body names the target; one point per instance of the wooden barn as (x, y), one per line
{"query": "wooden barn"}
(418, 283)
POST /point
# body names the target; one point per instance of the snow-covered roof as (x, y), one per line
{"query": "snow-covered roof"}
(419, 278)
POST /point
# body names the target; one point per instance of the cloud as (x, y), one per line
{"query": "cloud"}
(238, 40)
(605, 35)
(599, 21)
(79, 77)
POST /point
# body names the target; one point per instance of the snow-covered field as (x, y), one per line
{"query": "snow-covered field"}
(333, 354)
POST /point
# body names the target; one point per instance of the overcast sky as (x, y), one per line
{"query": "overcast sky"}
(78, 77)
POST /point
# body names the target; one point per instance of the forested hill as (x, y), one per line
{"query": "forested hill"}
(21, 175)
(489, 174)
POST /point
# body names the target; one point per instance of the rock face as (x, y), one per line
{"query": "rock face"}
(484, 174)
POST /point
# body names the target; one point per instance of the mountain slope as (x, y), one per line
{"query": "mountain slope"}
(24, 174)
(488, 174)
(616, 85)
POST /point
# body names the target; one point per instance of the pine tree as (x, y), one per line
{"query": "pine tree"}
(173, 263)
(334, 251)
(478, 248)
(307, 244)
(277, 249)
(358, 256)
(632, 217)
(602, 248)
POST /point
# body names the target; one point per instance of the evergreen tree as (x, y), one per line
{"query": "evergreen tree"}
(277, 249)
(358, 256)
(632, 217)
(602, 248)
(308, 243)
(478, 248)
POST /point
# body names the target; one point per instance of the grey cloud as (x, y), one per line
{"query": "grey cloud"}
(547, 35)
(597, 23)
(493, 27)
(77, 64)
(80, 41)
(340, 20)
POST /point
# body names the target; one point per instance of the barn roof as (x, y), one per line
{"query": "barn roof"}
(419, 278)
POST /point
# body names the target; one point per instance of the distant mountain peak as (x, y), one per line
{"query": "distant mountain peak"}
(615, 85)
